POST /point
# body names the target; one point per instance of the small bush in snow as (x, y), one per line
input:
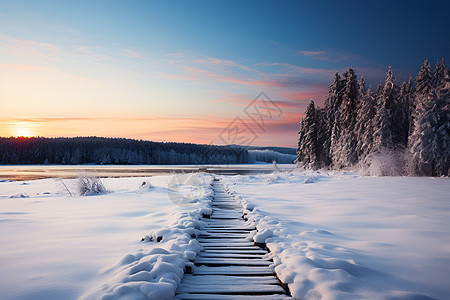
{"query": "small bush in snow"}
(90, 185)
(387, 162)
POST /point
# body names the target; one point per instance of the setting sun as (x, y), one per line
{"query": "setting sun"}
(23, 129)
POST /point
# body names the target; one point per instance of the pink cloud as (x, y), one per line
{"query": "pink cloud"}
(222, 62)
(198, 74)
(132, 53)
(10, 45)
(304, 95)
(312, 53)
(27, 68)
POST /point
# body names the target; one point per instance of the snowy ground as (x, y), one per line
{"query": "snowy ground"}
(334, 235)
(342, 236)
(54, 246)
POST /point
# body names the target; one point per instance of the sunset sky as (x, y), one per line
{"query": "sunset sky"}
(184, 70)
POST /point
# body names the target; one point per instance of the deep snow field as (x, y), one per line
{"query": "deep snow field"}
(333, 235)
(344, 236)
(54, 246)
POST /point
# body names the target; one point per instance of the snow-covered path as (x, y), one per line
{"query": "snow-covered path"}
(230, 266)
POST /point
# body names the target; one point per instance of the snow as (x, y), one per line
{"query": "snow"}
(332, 235)
(59, 247)
(344, 236)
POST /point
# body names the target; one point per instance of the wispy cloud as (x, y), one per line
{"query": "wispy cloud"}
(19, 47)
(198, 74)
(212, 61)
(27, 68)
(10, 45)
(259, 75)
(30, 69)
(332, 56)
(132, 53)
(313, 53)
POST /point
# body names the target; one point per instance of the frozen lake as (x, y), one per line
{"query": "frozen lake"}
(32, 172)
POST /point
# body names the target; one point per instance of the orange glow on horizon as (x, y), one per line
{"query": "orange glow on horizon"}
(23, 129)
(161, 129)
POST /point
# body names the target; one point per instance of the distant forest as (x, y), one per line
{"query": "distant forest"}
(397, 129)
(97, 150)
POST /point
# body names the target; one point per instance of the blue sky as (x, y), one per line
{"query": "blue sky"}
(183, 70)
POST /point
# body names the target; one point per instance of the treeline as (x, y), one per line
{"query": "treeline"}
(96, 150)
(269, 156)
(403, 128)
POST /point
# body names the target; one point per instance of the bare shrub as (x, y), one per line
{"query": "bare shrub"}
(89, 184)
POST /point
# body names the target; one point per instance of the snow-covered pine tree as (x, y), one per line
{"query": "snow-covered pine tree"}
(335, 116)
(333, 101)
(384, 127)
(424, 80)
(329, 115)
(429, 142)
(401, 114)
(437, 117)
(323, 139)
(307, 143)
(439, 80)
(349, 100)
(364, 124)
(361, 87)
(406, 101)
(345, 153)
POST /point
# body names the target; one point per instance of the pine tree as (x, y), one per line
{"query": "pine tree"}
(333, 101)
(441, 79)
(424, 81)
(384, 127)
(346, 149)
(307, 143)
(429, 142)
(361, 86)
(323, 138)
(364, 128)
(349, 100)
(402, 115)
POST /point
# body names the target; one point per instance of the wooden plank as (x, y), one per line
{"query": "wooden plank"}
(231, 289)
(224, 251)
(250, 255)
(231, 262)
(227, 297)
(223, 241)
(224, 279)
(233, 270)
(228, 244)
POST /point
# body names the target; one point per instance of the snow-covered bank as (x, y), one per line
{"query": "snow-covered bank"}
(59, 247)
(343, 236)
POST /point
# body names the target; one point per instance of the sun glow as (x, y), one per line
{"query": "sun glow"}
(23, 129)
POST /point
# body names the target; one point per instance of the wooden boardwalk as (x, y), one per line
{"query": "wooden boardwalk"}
(230, 266)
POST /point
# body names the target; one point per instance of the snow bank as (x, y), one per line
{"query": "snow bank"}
(342, 236)
(55, 246)
(156, 272)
